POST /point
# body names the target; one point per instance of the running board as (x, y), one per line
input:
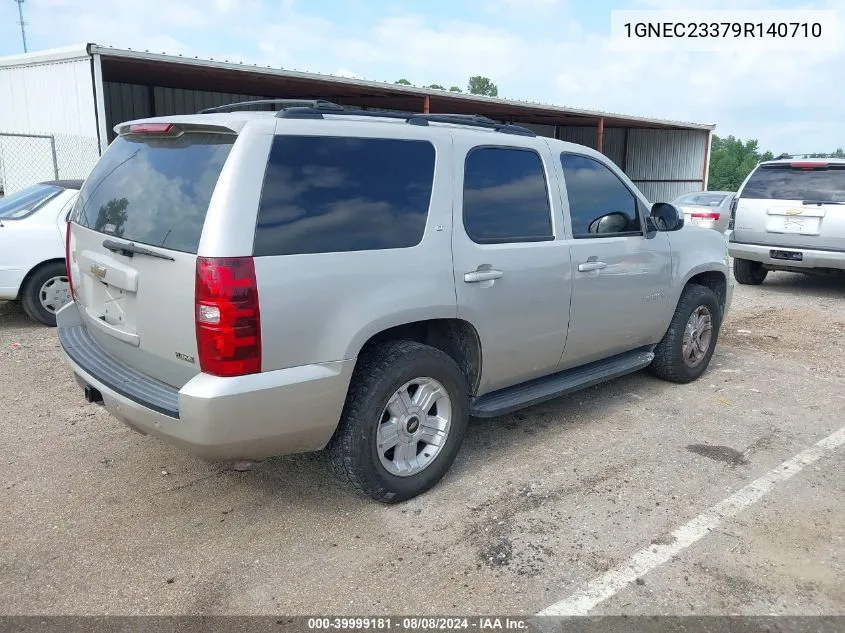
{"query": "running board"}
(549, 387)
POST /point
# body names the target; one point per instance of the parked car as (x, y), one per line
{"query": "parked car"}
(790, 215)
(249, 284)
(708, 209)
(32, 247)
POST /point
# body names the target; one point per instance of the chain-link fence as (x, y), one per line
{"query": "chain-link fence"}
(29, 158)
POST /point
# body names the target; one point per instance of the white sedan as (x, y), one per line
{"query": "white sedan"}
(33, 224)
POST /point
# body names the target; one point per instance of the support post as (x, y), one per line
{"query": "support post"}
(426, 104)
(55, 158)
(600, 136)
(625, 151)
(705, 169)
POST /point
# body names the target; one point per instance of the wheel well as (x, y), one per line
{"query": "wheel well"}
(454, 337)
(714, 280)
(34, 270)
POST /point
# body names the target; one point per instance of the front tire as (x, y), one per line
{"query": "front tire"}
(45, 292)
(749, 273)
(403, 422)
(685, 351)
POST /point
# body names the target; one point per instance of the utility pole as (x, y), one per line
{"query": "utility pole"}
(22, 23)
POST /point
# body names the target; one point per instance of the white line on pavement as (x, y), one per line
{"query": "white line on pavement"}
(606, 585)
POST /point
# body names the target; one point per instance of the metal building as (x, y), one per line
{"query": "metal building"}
(74, 97)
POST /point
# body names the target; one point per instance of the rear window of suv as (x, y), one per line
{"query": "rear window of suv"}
(154, 191)
(334, 194)
(785, 182)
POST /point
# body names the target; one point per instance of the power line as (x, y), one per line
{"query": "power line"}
(22, 23)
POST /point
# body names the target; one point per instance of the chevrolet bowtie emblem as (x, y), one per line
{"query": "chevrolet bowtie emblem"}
(794, 212)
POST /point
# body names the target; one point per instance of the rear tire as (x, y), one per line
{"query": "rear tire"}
(748, 272)
(45, 292)
(682, 356)
(382, 406)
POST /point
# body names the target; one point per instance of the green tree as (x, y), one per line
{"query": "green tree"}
(479, 85)
(402, 82)
(436, 87)
(455, 89)
(731, 160)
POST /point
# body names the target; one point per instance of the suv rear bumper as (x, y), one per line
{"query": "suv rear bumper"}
(809, 258)
(256, 416)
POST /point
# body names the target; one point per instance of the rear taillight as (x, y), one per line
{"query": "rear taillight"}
(227, 316)
(704, 216)
(67, 260)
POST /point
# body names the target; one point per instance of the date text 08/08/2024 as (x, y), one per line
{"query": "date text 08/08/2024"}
(417, 624)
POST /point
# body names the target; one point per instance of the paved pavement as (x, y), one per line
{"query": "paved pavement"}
(541, 507)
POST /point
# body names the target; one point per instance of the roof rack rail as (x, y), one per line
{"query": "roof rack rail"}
(289, 103)
(473, 120)
(316, 108)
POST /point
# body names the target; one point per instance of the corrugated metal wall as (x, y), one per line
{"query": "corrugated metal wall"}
(666, 163)
(662, 163)
(53, 100)
(125, 102)
(48, 98)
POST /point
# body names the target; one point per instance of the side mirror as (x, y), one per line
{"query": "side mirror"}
(666, 217)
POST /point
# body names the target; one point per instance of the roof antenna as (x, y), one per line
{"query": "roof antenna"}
(22, 23)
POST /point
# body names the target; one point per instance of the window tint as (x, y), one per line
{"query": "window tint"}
(785, 183)
(154, 191)
(505, 197)
(26, 201)
(326, 194)
(599, 204)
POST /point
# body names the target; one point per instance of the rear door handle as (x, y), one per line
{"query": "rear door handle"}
(478, 276)
(587, 267)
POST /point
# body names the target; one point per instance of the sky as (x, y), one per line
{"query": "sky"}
(550, 51)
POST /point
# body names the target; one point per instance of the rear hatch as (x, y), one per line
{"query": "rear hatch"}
(136, 232)
(798, 204)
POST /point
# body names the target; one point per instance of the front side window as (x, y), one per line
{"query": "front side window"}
(600, 205)
(338, 194)
(505, 197)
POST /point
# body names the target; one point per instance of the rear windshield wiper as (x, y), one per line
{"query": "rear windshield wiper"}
(820, 202)
(131, 249)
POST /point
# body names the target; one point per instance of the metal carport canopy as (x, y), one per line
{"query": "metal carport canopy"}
(151, 69)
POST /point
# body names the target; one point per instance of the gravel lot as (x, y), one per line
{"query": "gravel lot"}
(99, 520)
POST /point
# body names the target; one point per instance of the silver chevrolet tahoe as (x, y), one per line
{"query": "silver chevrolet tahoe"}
(249, 284)
(789, 214)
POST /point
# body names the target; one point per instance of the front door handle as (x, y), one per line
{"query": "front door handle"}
(587, 267)
(478, 276)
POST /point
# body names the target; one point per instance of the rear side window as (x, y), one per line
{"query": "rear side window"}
(505, 197)
(154, 191)
(600, 205)
(334, 194)
(22, 203)
(784, 182)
